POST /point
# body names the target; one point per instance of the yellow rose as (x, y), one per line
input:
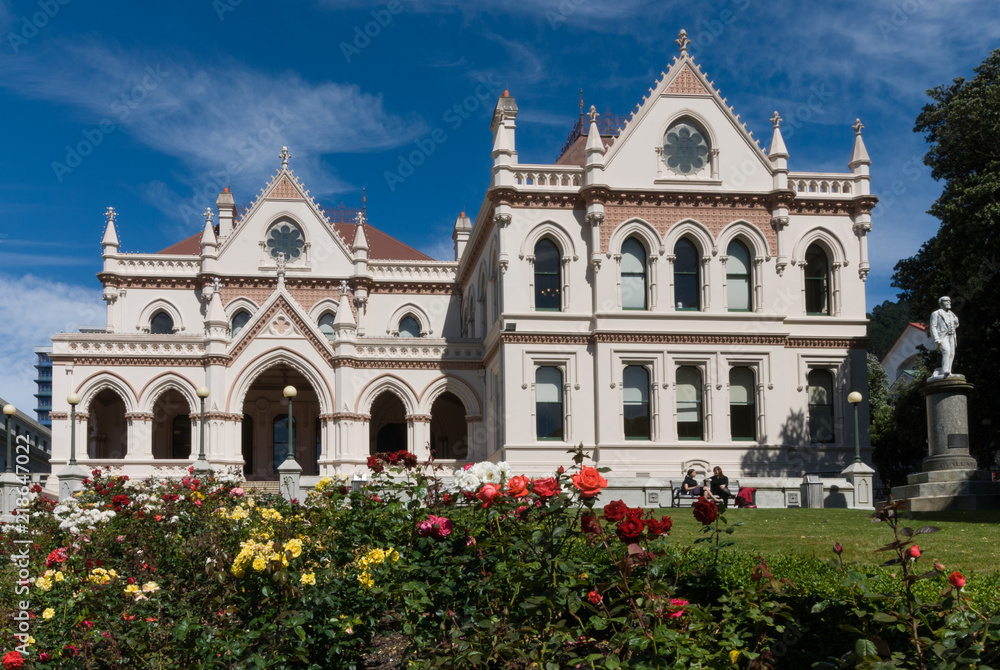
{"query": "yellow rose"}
(150, 587)
(259, 563)
(48, 613)
(44, 583)
(60, 577)
(308, 579)
(294, 546)
(132, 588)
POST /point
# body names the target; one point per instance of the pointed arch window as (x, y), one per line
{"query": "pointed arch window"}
(742, 404)
(549, 403)
(326, 325)
(690, 424)
(409, 327)
(687, 276)
(633, 270)
(240, 320)
(817, 282)
(548, 279)
(820, 406)
(161, 324)
(739, 290)
(635, 397)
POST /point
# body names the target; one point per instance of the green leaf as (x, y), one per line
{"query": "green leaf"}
(882, 617)
(864, 648)
(613, 662)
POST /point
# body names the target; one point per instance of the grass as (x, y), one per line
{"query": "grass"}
(967, 541)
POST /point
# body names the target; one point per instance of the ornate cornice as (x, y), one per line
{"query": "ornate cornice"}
(346, 362)
(419, 418)
(346, 416)
(690, 338)
(166, 282)
(129, 361)
(828, 342)
(544, 338)
(223, 416)
(416, 288)
(822, 206)
(139, 416)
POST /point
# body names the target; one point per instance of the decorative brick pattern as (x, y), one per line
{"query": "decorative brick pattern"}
(686, 83)
(284, 189)
(714, 216)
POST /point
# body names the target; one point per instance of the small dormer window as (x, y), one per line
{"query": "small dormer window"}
(685, 148)
(409, 327)
(285, 237)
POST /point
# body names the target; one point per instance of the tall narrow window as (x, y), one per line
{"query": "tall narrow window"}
(633, 275)
(739, 296)
(161, 324)
(635, 383)
(280, 437)
(548, 289)
(817, 282)
(820, 406)
(549, 403)
(239, 320)
(689, 412)
(326, 325)
(686, 292)
(742, 404)
(409, 327)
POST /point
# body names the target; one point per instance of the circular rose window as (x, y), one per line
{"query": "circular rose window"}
(285, 238)
(685, 149)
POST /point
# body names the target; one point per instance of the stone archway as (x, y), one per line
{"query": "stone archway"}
(449, 430)
(265, 425)
(388, 431)
(107, 429)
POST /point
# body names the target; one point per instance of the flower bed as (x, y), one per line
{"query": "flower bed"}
(504, 571)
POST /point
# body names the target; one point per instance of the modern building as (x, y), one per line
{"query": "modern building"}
(666, 293)
(43, 380)
(37, 436)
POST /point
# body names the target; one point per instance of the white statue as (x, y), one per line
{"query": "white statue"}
(943, 326)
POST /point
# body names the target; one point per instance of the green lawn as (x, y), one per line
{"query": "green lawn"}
(968, 541)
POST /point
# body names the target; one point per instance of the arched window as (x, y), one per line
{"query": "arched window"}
(817, 282)
(239, 320)
(687, 295)
(739, 290)
(285, 237)
(820, 406)
(742, 404)
(161, 324)
(549, 403)
(326, 325)
(635, 395)
(633, 274)
(689, 412)
(685, 148)
(409, 327)
(548, 282)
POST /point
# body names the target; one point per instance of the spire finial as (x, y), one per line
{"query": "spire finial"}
(209, 215)
(360, 218)
(592, 114)
(217, 284)
(776, 119)
(364, 200)
(110, 215)
(344, 287)
(857, 126)
(581, 104)
(683, 41)
(284, 156)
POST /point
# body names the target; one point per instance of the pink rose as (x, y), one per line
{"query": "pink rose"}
(489, 493)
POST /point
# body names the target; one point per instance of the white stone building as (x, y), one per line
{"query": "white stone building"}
(666, 293)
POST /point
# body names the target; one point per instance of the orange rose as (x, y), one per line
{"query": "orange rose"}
(589, 481)
(518, 486)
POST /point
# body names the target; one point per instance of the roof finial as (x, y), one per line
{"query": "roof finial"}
(209, 215)
(216, 285)
(683, 41)
(364, 200)
(110, 215)
(581, 104)
(857, 126)
(592, 114)
(360, 218)
(344, 287)
(776, 119)
(284, 156)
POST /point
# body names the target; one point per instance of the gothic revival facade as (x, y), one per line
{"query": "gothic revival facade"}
(666, 293)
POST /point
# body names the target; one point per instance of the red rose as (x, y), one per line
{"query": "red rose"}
(634, 513)
(705, 511)
(489, 493)
(374, 464)
(629, 530)
(43, 656)
(522, 512)
(837, 548)
(658, 527)
(595, 598)
(13, 659)
(546, 488)
(677, 607)
(589, 524)
(57, 556)
(956, 579)
(615, 511)
(913, 552)
(518, 486)
(589, 481)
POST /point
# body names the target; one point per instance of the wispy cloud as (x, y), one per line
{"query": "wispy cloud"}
(33, 310)
(594, 13)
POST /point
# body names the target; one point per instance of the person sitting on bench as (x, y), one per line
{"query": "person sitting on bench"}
(720, 485)
(690, 486)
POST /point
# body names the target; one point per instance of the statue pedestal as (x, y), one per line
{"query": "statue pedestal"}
(950, 479)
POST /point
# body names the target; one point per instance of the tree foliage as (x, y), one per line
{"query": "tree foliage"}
(962, 126)
(885, 324)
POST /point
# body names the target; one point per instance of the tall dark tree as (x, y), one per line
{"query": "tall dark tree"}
(885, 324)
(962, 126)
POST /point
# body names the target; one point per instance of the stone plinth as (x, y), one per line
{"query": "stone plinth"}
(950, 480)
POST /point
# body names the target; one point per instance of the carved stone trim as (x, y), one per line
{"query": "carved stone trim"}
(473, 418)
(129, 361)
(348, 416)
(416, 288)
(828, 342)
(419, 418)
(61, 416)
(139, 416)
(689, 338)
(405, 365)
(539, 338)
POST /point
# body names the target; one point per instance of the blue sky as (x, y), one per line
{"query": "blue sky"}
(178, 99)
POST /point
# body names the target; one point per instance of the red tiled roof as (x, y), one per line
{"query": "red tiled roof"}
(381, 247)
(919, 326)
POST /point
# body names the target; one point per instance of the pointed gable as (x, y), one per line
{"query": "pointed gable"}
(686, 83)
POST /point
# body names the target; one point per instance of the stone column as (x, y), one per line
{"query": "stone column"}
(948, 425)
